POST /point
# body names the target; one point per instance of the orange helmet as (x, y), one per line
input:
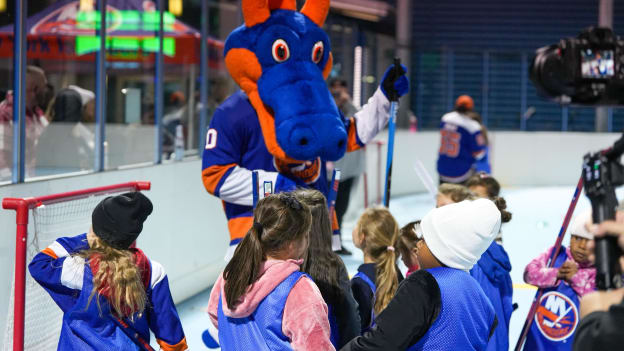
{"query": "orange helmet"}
(464, 101)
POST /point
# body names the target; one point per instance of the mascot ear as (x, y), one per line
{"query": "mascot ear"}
(316, 11)
(255, 11)
(258, 11)
(283, 4)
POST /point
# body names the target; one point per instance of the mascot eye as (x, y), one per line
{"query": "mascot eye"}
(317, 52)
(281, 52)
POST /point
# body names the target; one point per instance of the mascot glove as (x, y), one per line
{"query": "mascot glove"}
(393, 83)
(285, 184)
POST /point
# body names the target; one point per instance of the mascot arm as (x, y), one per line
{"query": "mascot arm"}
(235, 185)
(237, 188)
(369, 121)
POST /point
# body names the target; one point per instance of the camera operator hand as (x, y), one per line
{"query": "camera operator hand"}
(602, 300)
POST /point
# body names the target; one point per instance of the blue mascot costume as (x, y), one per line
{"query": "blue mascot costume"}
(284, 122)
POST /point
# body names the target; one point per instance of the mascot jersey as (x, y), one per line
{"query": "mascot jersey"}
(284, 123)
(235, 147)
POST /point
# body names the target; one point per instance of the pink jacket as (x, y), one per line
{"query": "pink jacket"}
(305, 320)
(536, 273)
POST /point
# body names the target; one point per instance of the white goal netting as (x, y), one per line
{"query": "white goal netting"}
(47, 223)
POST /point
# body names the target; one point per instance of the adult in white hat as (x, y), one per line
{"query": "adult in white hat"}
(441, 307)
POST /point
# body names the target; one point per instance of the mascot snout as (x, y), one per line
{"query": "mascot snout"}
(307, 121)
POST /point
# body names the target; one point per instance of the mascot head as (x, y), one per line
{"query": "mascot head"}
(280, 58)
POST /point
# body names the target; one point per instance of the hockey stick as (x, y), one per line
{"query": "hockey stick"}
(331, 203)
(255, 188)
(394, 104)
(550, 263)
(425, 178)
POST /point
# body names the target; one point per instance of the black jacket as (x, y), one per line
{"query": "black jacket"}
(414, 308)
(346, 311)
(364, 295)
(601, 330)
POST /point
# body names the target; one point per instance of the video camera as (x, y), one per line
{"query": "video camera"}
(602, 173)
(587, 70)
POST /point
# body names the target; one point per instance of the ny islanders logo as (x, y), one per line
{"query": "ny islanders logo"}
(556, 316)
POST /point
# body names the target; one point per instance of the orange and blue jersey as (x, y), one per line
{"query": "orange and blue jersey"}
(69, 281)
(461, 145)
(235, 146)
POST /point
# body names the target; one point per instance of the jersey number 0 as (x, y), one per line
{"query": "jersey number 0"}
(211, 139)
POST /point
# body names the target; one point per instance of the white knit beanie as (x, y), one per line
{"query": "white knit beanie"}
(578, 225)
(458, 234)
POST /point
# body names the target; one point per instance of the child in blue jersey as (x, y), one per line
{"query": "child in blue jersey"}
(262, 301)
(111, 295)
(328, 271)
(492, 271)
(462, 143)
(440, 306)
(376, 281)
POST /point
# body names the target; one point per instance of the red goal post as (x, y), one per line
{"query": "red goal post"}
(23, 207)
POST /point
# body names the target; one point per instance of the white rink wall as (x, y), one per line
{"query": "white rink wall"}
(187, 231)
(518, 159)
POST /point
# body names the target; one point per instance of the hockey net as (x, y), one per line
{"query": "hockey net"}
(48, 218)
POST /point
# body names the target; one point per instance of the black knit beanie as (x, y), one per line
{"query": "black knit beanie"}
(118, 220)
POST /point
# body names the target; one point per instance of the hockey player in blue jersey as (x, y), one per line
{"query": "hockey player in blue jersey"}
(111, 295)
(461, 144)
(284, 122)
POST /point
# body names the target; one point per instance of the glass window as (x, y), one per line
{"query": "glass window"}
(6, 87)
(182, 81)
(182, 100)
(131, 45)
(59, 89)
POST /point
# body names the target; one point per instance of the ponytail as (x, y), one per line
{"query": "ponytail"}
(278, 221)
(381, 232)
(387, 279)
(117, 277)
(243, 268)
(502, 205)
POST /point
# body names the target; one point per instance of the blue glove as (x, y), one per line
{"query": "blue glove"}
(393, 83)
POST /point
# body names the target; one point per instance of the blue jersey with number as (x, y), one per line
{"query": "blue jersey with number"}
(235, 146)
(461, 145)
(556, 318)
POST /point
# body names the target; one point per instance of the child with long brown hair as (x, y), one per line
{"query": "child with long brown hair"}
(328, 271)
(377, 280)
(111, 295)
(262, 300)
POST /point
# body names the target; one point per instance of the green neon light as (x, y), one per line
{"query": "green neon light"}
(90, 44)
(152, 44)
(125, 20)
(85, 45)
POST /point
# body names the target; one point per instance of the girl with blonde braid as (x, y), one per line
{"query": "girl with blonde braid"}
(111, 295)
(377, 280)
